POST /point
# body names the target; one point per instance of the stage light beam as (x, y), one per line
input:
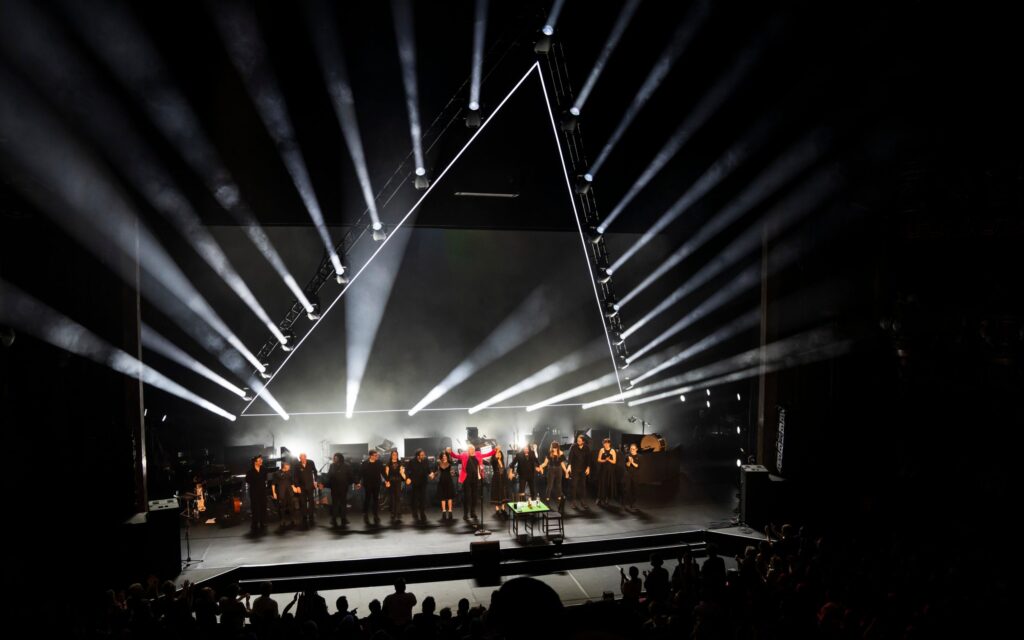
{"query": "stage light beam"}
(479, 34)
(625, 15)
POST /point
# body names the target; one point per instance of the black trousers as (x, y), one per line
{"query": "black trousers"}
(307, 503)
(418, 500)
(259, 511)
(371, 501)
(470, 496)
(629, 489)
(286, 508)
(528, 480)
(579, 487)
(395, 491)
(339, 506)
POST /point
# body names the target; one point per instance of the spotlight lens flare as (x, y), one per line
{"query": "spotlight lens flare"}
(420, 171)
(548, 30)
(474, 106)
(574, 111)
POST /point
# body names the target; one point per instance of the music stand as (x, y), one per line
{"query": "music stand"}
(187, 515)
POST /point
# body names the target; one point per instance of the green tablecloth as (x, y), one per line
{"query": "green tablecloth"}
(521, 507)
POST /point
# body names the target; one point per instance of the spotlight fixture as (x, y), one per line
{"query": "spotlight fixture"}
(247, 397)
(583, 183)
(708, 391)
(738, 398)
(164, 419)
(569, 122)
(265, 374)
(421, 182)
(739, 431)
(682, 398)
(289, 342)
(604, 275)
(594, 234)
(543, 44)
(709, 404)
(610, 309)
(379, 234)
(473, 118)
(314, 313)
(340, 277)
(617, 338)
(739, 463)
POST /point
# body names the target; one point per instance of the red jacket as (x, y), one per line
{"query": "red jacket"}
(463, 457)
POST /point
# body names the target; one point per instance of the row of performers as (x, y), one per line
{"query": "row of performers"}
(293, 487)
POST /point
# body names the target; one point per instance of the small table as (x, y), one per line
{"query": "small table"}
(527, 513)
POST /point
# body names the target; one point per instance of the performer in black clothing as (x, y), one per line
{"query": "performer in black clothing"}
(579, 469)
(606, 459)
(285, 493)
(256, 478)
(417, 474)
(370, 477)
(526, 466)
(445, 484)
(339, 477)
(629, 477)
(499, 483)
(305, 480)
(554, 470)
(393, 480)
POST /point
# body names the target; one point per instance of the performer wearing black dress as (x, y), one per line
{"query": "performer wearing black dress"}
(499, 483)
(554, 470)
(370, 477)
(445, 484)
(339, 476)
(305, 480)
(606, 459)
(526, 466)
(629, 477)
(285, 493)
(579, 468)
(394, 479)
(256, 478)
(417, 473)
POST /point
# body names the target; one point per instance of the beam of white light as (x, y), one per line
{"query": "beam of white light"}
(747, 279)
(244, 43)
(335, 72)
(707, 107)
(786, 362)
(532, 316)
(680, 40)
(46, 54)
(42, 146)
(795, 206)
(564, 366)
(767, 183)
(806, 341)
(380, 247)
(479, 34)
(406, 411)
(625, 15)
(156, 342)
(676, 356)
(405, 34)
(119, 41)
(552, 21)
(27, 314)
(606, 380)
(584, 243)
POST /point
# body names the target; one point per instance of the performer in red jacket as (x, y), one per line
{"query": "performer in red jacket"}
(470, 474)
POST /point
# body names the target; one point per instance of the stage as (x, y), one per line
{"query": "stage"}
(695, 506)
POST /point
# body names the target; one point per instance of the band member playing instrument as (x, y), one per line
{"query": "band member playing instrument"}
(554, 470)
(285, 493)
(371, 475)
(394, 478)
(256, 479)
(579, 468)
(629, 477)
(417, 473)
(499, 482)
(470, 475)
(339, 477)
(606, 459)
(526, 466)
(445, 484)
(305, 480)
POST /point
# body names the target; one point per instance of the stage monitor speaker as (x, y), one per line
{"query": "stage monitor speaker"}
(163, 539)
(353, 452)
(431, 446)
(755, 495)
(486, 557)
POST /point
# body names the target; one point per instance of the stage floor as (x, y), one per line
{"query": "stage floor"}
(219, 548)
